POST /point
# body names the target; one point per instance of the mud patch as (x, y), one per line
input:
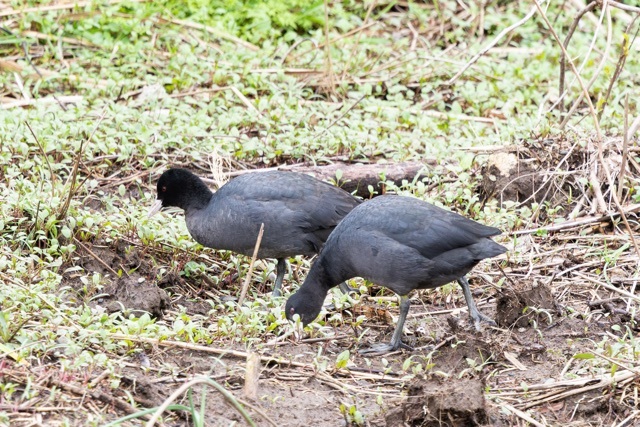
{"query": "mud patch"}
(291, 397)
(520, 307)
(129, 294)
(132, 293)
(117, 256)
(507, 177)
(616, 308)
(539, 171)
(438, 403)
(143, 390)
(468, 345)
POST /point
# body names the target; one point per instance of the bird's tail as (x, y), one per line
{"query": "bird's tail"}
(487, 248)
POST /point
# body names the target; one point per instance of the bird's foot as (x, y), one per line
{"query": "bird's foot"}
(480, 318)
(380, 349)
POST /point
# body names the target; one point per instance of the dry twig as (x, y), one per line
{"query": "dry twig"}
(494, 42)
(247, 279)
(596, 74)
(567, 39)
(213, 31)
(624, 53)
(59, 6)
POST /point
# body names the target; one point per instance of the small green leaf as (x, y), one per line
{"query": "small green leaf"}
(343, 359)
(343, 409)
(584, 356)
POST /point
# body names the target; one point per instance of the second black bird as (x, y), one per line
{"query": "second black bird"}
(401, 243)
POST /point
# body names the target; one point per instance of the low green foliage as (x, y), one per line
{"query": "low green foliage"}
(256, 21)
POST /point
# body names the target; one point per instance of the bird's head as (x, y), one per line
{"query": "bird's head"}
(178, 187)
(305, 305)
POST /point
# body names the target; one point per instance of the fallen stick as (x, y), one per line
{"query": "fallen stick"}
(577, 223)
(360, 179)
(515, 411)
(97, 395)
(61, 6)
(251, 376)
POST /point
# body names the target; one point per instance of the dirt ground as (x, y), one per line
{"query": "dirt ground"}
(471, 377)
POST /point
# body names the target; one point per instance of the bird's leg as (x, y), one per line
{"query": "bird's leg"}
(346, 289)
(475, 315)
(281, 268)
(396, 339)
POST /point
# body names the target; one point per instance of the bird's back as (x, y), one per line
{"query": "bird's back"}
(298, 213)
(405, 243)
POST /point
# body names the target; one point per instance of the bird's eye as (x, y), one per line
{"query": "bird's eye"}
(164, 188)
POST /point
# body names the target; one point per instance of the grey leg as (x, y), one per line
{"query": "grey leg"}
(475, 315)
(346, 289)
(281, 268)
(396, 339)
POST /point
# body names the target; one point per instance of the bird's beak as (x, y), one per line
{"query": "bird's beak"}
(155, 208)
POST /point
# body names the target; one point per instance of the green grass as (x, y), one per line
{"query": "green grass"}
(388, 102)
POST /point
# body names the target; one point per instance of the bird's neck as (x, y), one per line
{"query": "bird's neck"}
(200, 197)
(321, 277)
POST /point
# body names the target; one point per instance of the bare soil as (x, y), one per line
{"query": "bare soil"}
(469, 366)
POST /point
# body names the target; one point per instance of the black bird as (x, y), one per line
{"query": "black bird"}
(401, 243)
(298, 211)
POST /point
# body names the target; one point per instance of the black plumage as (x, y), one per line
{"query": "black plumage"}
(401, 243)
(298, 212)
